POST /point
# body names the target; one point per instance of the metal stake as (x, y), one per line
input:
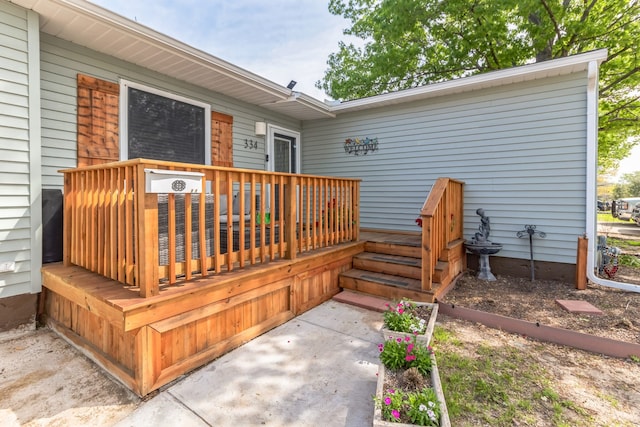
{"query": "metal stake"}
(530, 230)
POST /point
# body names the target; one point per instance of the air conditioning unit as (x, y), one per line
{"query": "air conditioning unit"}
(167, 181)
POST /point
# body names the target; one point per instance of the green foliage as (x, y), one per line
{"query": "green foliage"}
(624, 244)
(409, 43)
(629, 261)
(402, 318)
(420, 407)
(423, 408)
(629, 186)
(404, 354)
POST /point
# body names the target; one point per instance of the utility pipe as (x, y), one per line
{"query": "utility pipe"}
(592, 164)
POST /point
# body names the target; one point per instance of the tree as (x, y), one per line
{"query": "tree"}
(629, 185)
(410, 43)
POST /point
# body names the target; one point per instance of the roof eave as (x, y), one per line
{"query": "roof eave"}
(566, 65)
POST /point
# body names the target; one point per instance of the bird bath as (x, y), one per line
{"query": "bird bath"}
(481, 245)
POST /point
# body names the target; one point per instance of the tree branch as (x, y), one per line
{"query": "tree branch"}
(620, 79)
(583, 18)
(552, 17)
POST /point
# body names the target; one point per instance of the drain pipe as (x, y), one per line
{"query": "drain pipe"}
(531, 231)
(592, 164)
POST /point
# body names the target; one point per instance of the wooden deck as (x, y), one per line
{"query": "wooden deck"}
(148, 342)
(148, 320)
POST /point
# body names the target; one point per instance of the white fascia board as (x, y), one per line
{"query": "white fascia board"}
(465, 84)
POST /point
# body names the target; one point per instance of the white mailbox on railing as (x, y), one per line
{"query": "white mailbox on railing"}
(167, 181)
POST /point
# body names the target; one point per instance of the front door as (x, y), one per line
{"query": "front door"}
(283, 156)
(283, 153)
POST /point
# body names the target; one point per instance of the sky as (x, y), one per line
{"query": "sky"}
(280, 40)
(630, 164)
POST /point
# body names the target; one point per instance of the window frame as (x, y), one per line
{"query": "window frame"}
(124, 116)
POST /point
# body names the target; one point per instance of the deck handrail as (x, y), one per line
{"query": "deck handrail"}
(442, 224)
(112, 225)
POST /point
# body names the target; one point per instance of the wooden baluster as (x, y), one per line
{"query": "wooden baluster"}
(290, 220)
(217, 235)
(252, 221)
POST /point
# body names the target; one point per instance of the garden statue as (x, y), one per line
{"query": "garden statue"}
(481, 245)
(485, 227)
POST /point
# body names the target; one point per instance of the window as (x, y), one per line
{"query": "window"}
(162, 126)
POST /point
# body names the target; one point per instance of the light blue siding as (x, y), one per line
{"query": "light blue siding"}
(519, 148)
(62, 61)
(15, 150)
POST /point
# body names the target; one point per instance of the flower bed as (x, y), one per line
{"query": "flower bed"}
(408, 391)
(407, 318)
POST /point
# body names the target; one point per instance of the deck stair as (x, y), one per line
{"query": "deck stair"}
(391, 267)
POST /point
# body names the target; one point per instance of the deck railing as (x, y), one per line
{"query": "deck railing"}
(442, 215)
(115, 228)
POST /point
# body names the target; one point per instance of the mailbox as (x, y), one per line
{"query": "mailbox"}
(167, 181)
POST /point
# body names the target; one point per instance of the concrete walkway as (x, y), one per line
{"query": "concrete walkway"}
(318, 369)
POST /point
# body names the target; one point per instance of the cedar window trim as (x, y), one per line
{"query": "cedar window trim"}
(124, 116)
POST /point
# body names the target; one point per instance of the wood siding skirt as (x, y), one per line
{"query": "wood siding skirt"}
(149, 342)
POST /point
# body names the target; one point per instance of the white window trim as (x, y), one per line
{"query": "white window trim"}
(124, 117)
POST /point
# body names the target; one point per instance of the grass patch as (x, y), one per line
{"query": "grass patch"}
(623, 243)
(629, 261)
(499, 386)
(607, 217)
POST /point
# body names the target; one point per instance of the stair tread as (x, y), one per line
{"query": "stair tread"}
(396, 259)
(386, 279)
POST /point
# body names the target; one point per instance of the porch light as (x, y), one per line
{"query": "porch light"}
(261, 128)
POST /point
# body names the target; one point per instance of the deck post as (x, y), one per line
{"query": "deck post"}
(290, 217)
(427, 267)
(356, 210)
(69, 195)
(146, 238)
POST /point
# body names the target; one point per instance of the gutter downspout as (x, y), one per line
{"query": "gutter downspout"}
(592, 166)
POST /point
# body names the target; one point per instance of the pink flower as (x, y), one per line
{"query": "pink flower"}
(399, 339)
(387, 401)
(391, 391)
(407, 339)
(400, 310)
(396, 413)
(410, 358)
(409, 348)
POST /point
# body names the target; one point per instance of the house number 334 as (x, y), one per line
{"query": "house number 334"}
(250, 144)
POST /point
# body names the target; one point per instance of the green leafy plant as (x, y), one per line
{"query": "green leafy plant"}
(420, 407)
(405, 353)
(402, 318)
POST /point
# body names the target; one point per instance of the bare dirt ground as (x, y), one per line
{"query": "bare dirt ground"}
(45, 382)
(535, 301)
(605, 390)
